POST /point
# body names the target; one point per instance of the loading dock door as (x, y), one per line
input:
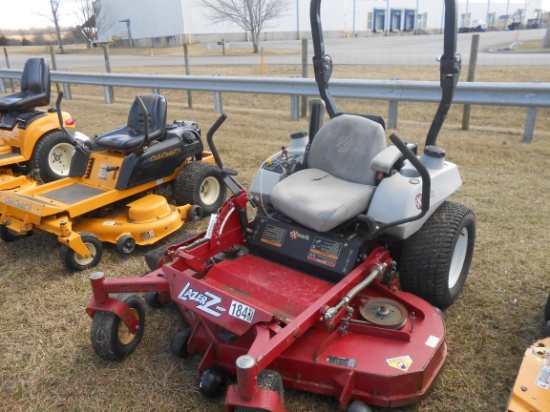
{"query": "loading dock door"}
(395, 23)
(409, 20)
(379, 20)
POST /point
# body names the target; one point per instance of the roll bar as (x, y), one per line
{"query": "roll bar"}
(450, 64)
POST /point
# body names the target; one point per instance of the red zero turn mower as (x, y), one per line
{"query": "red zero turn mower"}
(333, 287)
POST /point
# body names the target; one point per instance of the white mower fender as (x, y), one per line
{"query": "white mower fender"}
(400, 196)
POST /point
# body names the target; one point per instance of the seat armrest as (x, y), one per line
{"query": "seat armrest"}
(385, 159)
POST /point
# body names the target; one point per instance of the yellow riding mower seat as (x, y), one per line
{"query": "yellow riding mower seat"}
(132, 136)
(338, 183)
(35, 88)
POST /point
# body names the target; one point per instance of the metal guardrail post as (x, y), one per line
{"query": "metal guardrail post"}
(54, 66)
(187, 72)
(218, 102)
(471, 76)
(530, 125)
(8, 66)
(392, 114)
(108, 90)
(67, 91)
(294, 107)
(2, 87)
(155, 90)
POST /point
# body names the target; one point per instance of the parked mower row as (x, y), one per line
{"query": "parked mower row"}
(336, 285)
(112, 188)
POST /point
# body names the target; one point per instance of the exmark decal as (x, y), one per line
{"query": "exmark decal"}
(207, 301)
(297, 235)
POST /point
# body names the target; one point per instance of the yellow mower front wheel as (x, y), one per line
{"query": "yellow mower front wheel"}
(73, 261)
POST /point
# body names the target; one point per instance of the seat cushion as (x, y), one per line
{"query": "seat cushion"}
(345, 146)
(318, 200)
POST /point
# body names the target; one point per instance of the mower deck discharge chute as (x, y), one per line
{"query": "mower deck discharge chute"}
(118, 186)
(333, 286)
(31, 140)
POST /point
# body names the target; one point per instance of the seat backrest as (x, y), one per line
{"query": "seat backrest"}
(345, 146)
(35, 82)
(157, 108)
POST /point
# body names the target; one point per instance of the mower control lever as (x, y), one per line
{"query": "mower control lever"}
(426, 190)
(60, 117)
(210, 139)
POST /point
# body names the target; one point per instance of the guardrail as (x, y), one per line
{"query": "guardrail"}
(529, 95)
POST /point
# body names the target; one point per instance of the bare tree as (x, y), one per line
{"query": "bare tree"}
(53, 15)
(55, 20)
(85, 14)
(251, 15)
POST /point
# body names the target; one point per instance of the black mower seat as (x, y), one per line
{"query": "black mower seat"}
(35, 88)
(338, 183)
(131, 137)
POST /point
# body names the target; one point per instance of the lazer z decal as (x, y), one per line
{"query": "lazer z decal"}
(207, 301)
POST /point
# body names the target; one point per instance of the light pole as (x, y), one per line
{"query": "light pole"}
(387, 18)
(128, 27)
(354, 18)
(507, 16)
(298, 19)
(416, 25)
(487, 18)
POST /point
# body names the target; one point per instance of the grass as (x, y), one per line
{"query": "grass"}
(46, 360)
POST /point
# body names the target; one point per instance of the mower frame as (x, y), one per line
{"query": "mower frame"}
(249, 315)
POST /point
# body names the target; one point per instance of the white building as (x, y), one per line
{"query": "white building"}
(169, 22)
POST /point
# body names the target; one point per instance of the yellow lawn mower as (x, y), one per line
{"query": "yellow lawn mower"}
(117, 188)
(33, 146)
(531, 392)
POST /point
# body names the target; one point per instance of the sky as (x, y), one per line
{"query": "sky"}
(24, 14)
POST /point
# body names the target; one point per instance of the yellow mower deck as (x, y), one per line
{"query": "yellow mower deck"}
(531, 391)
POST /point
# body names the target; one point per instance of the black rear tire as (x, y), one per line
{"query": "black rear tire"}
(200, 183)
(435, 260)
(52, 155)
(111, 339)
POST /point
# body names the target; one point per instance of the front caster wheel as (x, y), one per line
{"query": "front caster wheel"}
(73, 261)
(8, 235)
(213, 381)
(358, 406)
(178, 345)
(126, 244)
(111, 338)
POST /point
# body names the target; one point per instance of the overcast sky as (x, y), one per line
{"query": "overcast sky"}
(24, 14)
(16, 14)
